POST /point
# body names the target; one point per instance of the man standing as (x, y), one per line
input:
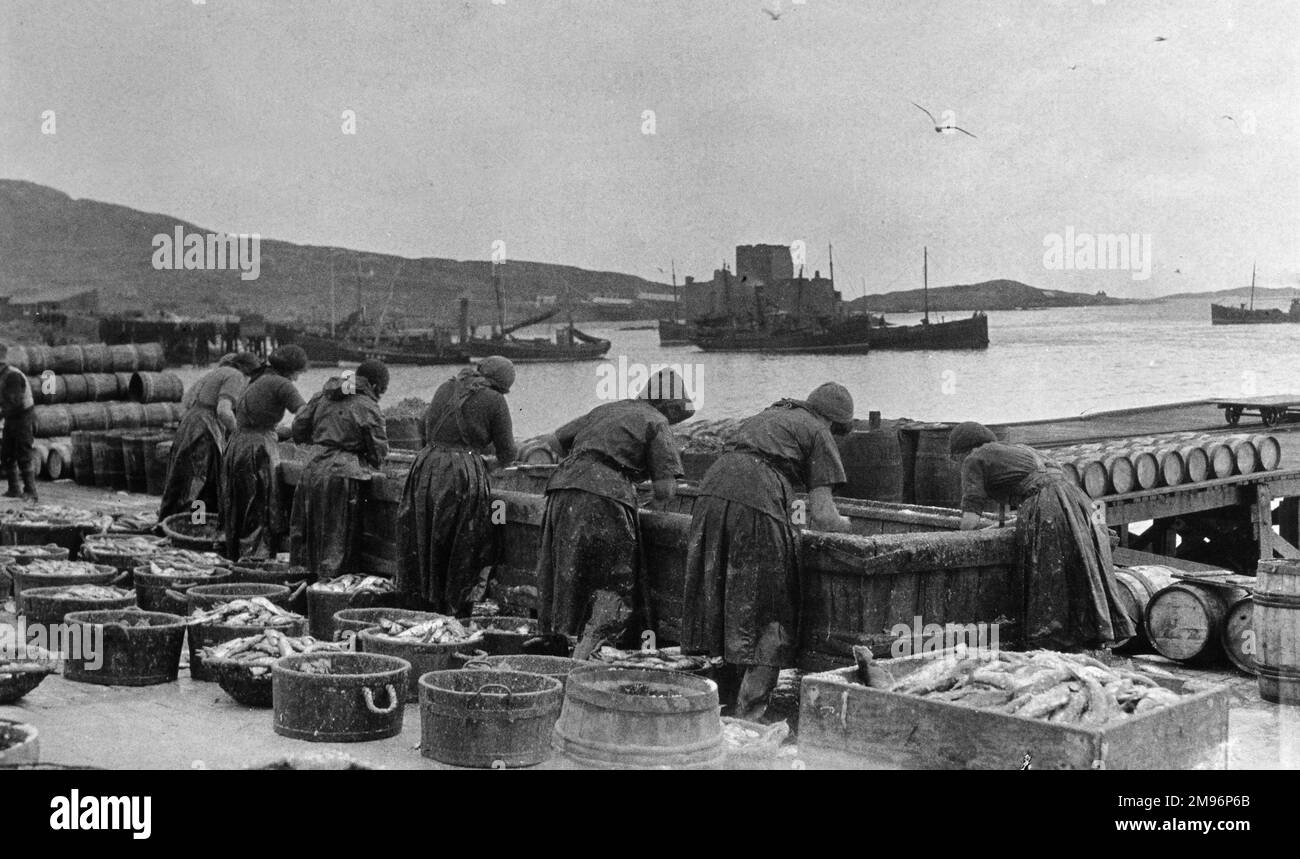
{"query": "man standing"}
(17, 408)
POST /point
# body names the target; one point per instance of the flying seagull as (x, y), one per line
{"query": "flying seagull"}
(942, 129)
(1229, 118)
(775, 16)
(1160, 39)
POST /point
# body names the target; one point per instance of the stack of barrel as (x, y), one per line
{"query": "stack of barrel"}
(1126, 465)
(101, 412)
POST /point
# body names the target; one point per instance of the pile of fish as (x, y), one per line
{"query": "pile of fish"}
(89, 592)
(257, 611)
(121, 544)
(442, 630)
(133, 523)
(184, 563)
(482, 624)
(355, 583)
(1041, 684)
(29, 551)
(61, 568)
(666, 659)
(54, 515)
(259, 652)
(707, 436)
(407, 407)
(316, 666)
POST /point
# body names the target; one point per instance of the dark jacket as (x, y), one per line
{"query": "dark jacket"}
(15, 392)
(337, 420)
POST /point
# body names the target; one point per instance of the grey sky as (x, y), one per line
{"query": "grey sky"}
(523, 122)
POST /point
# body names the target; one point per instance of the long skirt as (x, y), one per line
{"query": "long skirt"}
(587, 568)
(444, 528)
(742, 596)
(325, 528)
(250, 496)
(194, 467)
(1070, 588)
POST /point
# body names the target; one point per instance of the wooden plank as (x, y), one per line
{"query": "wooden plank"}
(1133, 558)
(1262, 516)
(1284, 549)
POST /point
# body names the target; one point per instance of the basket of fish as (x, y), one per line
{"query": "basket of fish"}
(49, 605)
(326, 599)
(184, 533)
(48, 574)
(429, 644)
(960, 709)
(338, 697)
(135, 648)
(122, 551)
(505, 635)
(22, 669)
(237, 618)
(160, 585)
(242, 666)
(39, 524)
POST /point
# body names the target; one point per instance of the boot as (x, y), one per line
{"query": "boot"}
(29, 484)
(12, 474)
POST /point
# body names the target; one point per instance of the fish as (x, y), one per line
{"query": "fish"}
(1044, 703)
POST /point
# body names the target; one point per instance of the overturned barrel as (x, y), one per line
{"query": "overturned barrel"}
(156, 388)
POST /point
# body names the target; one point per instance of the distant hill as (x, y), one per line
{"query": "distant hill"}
(51, 244)
(989, 295)
(1262, 293)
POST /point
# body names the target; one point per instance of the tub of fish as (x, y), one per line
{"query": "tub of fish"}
(503, 636)
(134, 523)
(339, 697)
(672, 659)
(976, 709)
(49, 605)
(242, 666)
(350, 621)
(22, 669)
(184, 533)
(48, 574)
(207, 596)
(237, 618)
(353, 590)
(555, 667)
(19, 743)
(429, 644)
(136, 648)
(269, 571)
(488, 719)
(122, 551)
(39, 524)
(160, 585)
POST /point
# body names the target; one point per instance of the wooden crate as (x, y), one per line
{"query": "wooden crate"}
(843, 723)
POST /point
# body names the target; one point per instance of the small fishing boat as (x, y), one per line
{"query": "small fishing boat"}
(569, 344)
(1221, 314)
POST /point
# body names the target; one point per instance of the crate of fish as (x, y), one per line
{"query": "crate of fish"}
(1003, 710)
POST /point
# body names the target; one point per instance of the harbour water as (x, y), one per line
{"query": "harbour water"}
(1040, 364)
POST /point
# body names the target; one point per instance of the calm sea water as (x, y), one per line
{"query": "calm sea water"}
(1039, 364)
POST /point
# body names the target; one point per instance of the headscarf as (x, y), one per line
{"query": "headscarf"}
(499, 371)
(832, 401)
(375, 372)
(667, 392)
(967, 436)
(244, 362)
(288, 359)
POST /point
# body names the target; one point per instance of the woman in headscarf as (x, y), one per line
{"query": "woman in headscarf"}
(194, 468)
(1065, 561)
(743, 593)
(588, 570)
(250, 496)
(347, 429)
(445, 542)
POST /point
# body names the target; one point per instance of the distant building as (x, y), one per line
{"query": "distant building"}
(763, 284)
(50, 305)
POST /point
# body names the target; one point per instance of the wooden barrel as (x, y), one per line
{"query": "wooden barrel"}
(640, 718)
(1221, 459)
(49, 421)
(59, 463)
(404, 434)
(1071, 473)
(361, 699)
(1147, 473)
(1277, 631)
(873, 464)
(123, 358)
(157, 414)
(48, 390)
(475, 718)
(149, 357)
(1243, 455)
(157, 455)
(96, 359)
(1137, 585)
(1268, 451)
(938, 475)
(40, 455)
(68, 360)
(133, 461)
(1120, 470)
(101, 387)
(1171, 466)
(125, 415)
(106, 457)
(1196, 464)
(1185, 620)
(157, 388)
(123, 384)
(1094, 479)
(88, 416)
(175, 412)
(1238, 636)
(83, 469)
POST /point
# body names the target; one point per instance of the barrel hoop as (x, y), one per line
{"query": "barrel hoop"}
(1277, 600)
(622, 750)
(1276, 673)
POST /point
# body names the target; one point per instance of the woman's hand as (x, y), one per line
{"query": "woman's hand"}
(974, 522)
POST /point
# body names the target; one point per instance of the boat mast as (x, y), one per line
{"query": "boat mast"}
(331, 295)
(676, 312)
(500, 297)
(1252, 286)
(830, 252)
(925, 282)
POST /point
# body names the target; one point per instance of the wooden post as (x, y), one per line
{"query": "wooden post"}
(1262, 516)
